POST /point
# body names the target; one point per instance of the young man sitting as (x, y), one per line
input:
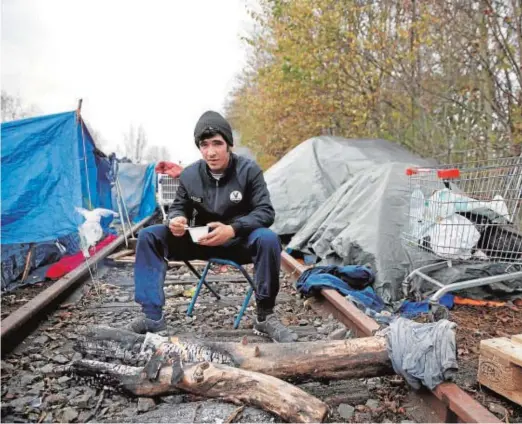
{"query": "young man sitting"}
(229, 194)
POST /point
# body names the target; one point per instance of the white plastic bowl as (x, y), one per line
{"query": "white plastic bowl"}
(197, 232)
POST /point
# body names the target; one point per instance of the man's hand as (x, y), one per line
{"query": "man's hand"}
(177, 226)
(219, 235)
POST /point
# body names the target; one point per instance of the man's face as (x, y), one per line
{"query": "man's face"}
(215, 152)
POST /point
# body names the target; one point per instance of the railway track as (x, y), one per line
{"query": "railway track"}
(27, 394)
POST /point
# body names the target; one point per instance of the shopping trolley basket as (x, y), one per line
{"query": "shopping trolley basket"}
(167, 188)
(465, 214)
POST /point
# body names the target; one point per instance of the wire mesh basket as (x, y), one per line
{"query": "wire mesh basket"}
(167, 188)
(466, 213)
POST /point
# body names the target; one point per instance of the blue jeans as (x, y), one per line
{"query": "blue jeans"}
(156, 244)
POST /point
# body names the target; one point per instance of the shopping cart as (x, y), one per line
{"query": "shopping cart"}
(464, 214)
(167, 188)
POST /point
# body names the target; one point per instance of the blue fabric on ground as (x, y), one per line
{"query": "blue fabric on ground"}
(314, 279)
(356, 276)
(317, 278)
(412, 309)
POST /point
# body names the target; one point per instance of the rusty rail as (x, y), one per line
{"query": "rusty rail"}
(448, 400)
(14, 327)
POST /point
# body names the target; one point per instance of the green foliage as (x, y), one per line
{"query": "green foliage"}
(439, 76)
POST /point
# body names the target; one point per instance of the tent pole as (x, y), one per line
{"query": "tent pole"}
(122, 218)
(118, 187)
(79, 110)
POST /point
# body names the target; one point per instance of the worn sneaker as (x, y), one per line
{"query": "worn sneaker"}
(144, 325)
(272, 328)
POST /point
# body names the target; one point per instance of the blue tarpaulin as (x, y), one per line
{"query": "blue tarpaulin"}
(138, 186)
(49, 167)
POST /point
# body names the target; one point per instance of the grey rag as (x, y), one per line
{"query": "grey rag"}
(422, 353)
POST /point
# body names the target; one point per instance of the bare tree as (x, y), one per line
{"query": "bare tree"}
(100, 141)
(12, 108)
(135, 143)
(157, 154)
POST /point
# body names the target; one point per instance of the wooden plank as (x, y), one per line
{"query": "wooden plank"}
(132, 259)
(500, 366)
(508, 349)
(121, 254)
(195, 262)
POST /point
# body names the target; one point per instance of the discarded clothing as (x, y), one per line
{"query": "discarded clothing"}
(412, 309)
(357, 276)
(71, 262)
(350, 280)
(422, 353)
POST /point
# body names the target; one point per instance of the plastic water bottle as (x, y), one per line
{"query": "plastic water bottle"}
(417, 208)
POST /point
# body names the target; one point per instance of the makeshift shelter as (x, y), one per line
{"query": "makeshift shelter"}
(138, 187)
(346, 201)
(301, 181)
(50, 167)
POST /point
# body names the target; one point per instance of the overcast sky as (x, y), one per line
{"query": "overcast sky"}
(158, 63)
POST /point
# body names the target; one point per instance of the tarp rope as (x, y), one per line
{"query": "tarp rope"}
(86, 166)
(94, 281)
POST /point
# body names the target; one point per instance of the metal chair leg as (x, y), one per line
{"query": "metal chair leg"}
(198, 289)
(243, 308)
(202, 280)
(196, 273)
(245, 274)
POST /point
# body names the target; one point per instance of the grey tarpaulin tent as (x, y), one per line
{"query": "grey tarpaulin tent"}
(310, 173)
(346, 201)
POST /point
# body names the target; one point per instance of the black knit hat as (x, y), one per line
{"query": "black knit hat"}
(211, 120)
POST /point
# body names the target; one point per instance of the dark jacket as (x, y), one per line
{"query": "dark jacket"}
(240, 198)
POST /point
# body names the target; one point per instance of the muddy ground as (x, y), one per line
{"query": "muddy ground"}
(29, 394)
(481, 323)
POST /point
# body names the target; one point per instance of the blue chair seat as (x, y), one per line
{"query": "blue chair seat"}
(202, 281)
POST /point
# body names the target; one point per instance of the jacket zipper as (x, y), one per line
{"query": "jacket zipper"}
(216, 199)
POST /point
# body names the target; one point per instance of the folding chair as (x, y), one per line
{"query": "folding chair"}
(202, 281)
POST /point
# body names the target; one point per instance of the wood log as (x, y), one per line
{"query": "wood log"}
(322, 360)
(161, 377)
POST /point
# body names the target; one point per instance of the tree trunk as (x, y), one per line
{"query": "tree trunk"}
(322, 360)
(159, 377)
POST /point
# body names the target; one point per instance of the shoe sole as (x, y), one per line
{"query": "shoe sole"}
(146, 331)
(262, 334)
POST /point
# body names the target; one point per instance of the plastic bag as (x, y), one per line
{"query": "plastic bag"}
(453, 238)
(91, 230)
(444, 203)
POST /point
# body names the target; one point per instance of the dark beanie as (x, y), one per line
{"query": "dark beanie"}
(211, 120)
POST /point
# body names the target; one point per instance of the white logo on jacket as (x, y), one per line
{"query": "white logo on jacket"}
(236, 196)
